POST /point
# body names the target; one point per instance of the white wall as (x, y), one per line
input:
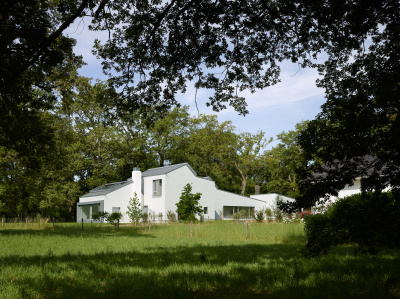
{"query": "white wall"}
(346, 191)
(154, 203)
(350, 190)
(172, 186)
(270, 199)
(92, 198)
(118, 198)
(212, 198)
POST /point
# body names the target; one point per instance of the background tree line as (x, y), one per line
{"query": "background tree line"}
(91, 144)
(154, 50)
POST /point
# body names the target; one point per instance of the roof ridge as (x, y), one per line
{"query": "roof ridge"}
(166, 166)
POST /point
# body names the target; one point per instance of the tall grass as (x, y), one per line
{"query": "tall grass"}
(216, 262)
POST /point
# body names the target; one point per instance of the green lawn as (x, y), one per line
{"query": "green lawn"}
(217, 262)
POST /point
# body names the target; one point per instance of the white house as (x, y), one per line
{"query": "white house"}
(159, 189)
(271, 199)
(348, 190)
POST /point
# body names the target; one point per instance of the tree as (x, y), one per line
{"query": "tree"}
(34, 59)
(281, 164)
(165, 45)
(245, 40)
(134, 210)
(162, 46)
(43, 181)
(206, 146)
(168, 133)
(100, 216)
(355, 135)
(114, 218)
(245, 155)
(188, 205)
(156, 48)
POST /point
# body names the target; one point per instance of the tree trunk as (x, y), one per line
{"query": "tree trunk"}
(244, 183)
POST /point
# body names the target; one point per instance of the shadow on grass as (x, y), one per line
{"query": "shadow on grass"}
(98, 231)
(200, 271)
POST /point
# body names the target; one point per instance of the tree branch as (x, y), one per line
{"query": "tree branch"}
(45, 44)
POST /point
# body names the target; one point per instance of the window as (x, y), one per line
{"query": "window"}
(205, 210)
(157, 187)
(245, 212)
(116, 209)
(87, 211)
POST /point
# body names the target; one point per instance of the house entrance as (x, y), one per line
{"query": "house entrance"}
(87, 211)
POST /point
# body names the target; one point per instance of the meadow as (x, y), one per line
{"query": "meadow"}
(216, 262)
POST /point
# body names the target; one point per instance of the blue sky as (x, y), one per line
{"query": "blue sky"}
(272, 110)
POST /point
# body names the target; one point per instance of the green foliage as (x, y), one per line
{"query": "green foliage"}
(188, 205)
(168, 135)
(171, 216)
(237, 216)
(245, 155)
(269, 214)
(320, 235)
(145, 217)
(208, 148)
(113, 131)
(281, 164)
(160, 216)
(152, 215)
(278, 214)
(114, 217)
(369, 220)
(248, 50)
(259, 215)
(100, 215)
(134, 211)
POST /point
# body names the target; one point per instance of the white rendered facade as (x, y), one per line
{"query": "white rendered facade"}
(271, 199)
(159, 189)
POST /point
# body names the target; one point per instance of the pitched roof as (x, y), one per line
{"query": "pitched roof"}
(165, 170)
(107, 188)
(360, 166)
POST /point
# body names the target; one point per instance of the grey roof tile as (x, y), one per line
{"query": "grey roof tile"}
(107, 188)
(165, 170)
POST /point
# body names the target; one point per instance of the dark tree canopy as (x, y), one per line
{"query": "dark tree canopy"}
(357, 132)
(227, 46)
(35, 57)
(156, 47)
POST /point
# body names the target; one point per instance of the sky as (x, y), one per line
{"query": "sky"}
(273, 110)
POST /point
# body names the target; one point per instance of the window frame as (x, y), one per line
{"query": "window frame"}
(157, 188)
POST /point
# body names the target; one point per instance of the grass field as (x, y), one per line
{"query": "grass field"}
(217, 262)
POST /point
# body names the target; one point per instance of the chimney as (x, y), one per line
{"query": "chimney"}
(257, 189)
(137, 183)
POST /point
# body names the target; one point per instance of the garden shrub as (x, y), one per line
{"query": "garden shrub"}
(160, 216)
(370, 220)
(259, 215)
(100, 216)
(188, 205)
(278, 215)
(171, 216)
(268, 214)
(114, 217)
(134, 210)
(145, 217)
